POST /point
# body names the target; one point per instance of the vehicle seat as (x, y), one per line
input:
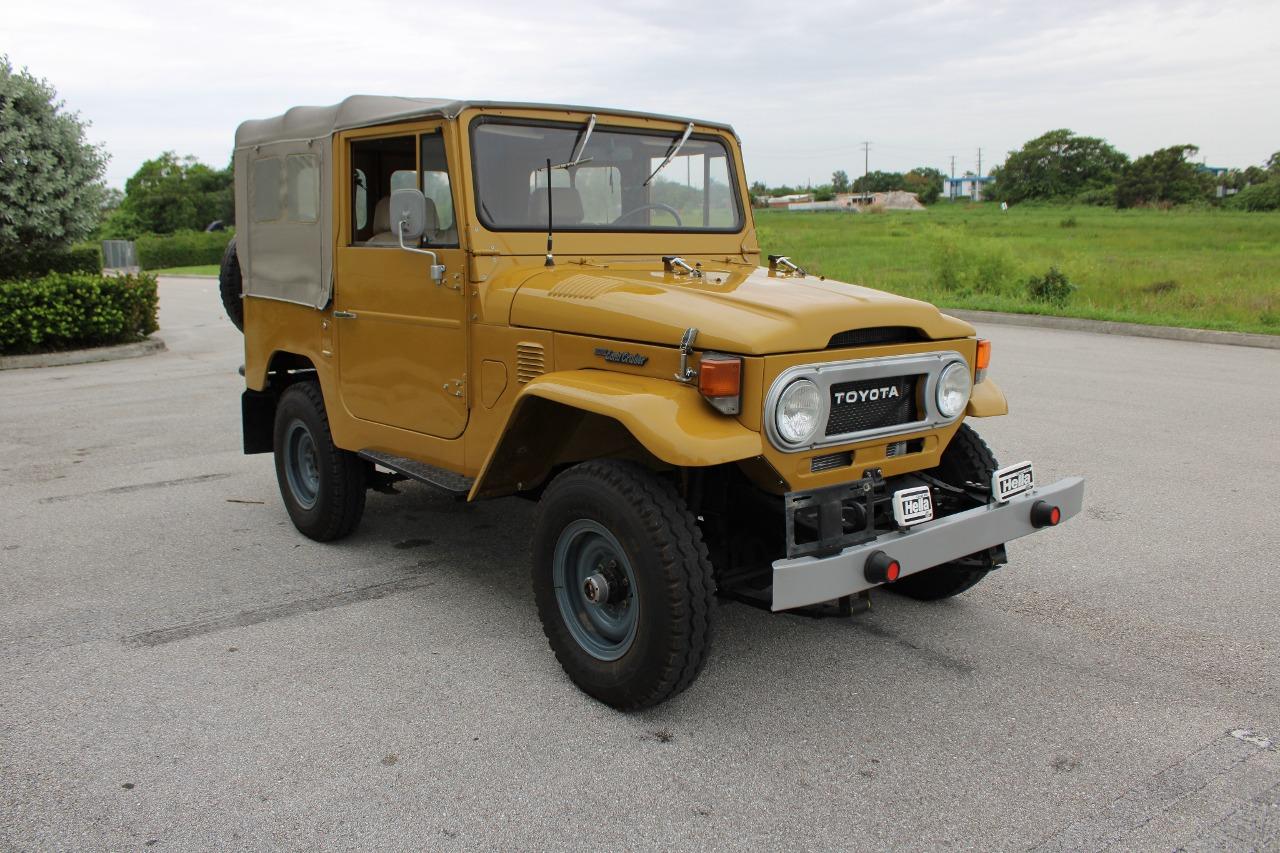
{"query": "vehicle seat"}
(384, 233)
(566, 206)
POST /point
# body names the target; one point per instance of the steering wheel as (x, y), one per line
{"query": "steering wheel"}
(656, 206)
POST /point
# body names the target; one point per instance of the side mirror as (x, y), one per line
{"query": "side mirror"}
(408, 213)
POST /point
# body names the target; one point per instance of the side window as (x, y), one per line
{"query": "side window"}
(379, 166)
(303, 189)
(439, 193)
(266, 189)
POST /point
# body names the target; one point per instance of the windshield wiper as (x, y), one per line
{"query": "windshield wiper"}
(671, 155)
(575, 158)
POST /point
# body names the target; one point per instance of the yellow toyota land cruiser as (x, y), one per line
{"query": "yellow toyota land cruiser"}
(569, 305)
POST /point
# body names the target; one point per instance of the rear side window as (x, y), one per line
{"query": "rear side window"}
(303, 191)
(266, 189)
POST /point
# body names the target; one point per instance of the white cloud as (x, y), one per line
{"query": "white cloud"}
(803, 83)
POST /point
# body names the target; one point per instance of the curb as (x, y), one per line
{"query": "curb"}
(82, 356)
(190, 277)
(1107, 327)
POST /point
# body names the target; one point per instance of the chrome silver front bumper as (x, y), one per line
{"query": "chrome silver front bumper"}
(801, 581)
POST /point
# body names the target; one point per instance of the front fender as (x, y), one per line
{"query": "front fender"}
(668, 419)
(986, 401)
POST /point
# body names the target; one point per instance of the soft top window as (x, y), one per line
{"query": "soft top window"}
(613, 185)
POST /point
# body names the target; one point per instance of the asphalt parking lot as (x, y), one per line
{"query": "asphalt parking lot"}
(180, 669)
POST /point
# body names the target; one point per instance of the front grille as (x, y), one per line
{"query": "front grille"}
(831, 461)
(872, 404)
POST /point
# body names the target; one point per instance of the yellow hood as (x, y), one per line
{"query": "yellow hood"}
(739, 312)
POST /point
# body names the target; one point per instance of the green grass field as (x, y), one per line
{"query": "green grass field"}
(1209, 269)
(208, 269)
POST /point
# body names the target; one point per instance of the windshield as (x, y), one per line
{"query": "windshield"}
(605, 190)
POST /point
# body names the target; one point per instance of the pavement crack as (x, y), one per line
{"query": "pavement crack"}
(258, 615)
(137, 487)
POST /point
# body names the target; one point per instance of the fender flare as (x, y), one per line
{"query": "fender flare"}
(986, 401)
(668, 419)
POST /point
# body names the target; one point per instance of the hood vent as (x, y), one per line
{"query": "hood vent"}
(880, 335)
(582, 287)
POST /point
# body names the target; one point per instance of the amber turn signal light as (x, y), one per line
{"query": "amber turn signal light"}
(982, 360)
(720, 381)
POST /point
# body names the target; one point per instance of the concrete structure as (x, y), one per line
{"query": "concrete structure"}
(966, 186)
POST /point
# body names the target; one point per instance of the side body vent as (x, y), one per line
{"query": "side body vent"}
(531, 362)
(880, 335)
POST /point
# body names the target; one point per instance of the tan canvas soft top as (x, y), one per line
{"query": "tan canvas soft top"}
(284, 189)
(302, 123)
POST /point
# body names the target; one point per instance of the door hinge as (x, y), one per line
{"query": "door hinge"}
(455, 386)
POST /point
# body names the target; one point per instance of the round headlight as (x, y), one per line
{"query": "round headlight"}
(954, 386)
(799, 408)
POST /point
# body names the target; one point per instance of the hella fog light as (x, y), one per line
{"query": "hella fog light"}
(953, 389)
(798, 413)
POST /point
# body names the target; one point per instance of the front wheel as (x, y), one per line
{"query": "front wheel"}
(623, 583)
(323, 486)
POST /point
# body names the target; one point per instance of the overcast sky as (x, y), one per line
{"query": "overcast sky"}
(803, 83)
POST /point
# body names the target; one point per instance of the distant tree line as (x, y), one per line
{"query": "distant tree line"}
(1061, 166)
(924, 181)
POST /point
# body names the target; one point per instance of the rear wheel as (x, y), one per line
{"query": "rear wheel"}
(967, 459)
(231, 285)
(623, 583)
(323, 486)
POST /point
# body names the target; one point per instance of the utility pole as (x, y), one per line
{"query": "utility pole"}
(866, 166)
(979, 162)
(952, 185)
(977, 185)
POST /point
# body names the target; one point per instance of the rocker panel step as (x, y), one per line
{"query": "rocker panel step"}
(455, 484)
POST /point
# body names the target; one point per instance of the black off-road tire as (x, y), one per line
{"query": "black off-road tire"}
(338, 499)
(966, 459)
(675, 590)
(231, 285)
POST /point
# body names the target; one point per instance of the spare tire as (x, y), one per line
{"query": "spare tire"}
(231, 285)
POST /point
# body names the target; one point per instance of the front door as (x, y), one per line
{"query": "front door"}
(401, 336)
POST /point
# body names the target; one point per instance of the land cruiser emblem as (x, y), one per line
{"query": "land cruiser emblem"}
(622, 357)
(864, 396)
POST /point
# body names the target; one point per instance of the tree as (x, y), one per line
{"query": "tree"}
(1273, 164)
(1057, 165)
(1166, 176)
(172, 193)
(50, 175)
(839, 181)
(925, 182)
(878, 182)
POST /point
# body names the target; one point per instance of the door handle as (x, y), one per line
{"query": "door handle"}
(344, 315)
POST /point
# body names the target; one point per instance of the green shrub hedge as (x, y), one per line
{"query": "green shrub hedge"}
(183, 249)
(1264, 196)
(82, 257)
(69, 311)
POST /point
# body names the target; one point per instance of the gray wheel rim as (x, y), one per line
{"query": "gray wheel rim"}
(604, 630)
(301, 468)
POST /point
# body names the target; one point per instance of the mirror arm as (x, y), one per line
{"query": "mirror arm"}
(437, 268)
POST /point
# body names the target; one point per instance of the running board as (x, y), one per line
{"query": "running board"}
(455, 484)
